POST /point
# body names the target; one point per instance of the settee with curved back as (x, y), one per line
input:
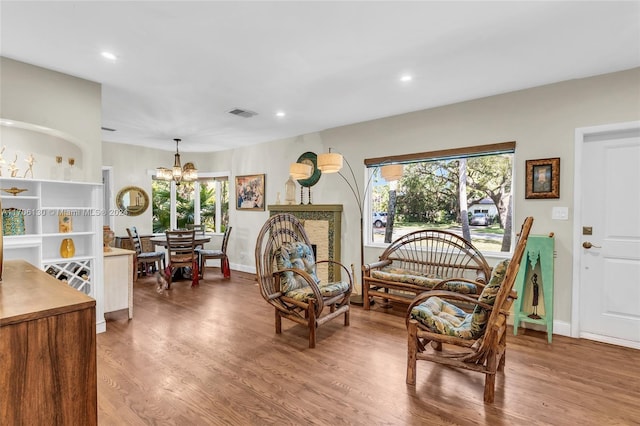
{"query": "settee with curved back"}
(424, 260)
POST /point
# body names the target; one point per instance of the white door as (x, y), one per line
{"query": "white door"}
(609, 238)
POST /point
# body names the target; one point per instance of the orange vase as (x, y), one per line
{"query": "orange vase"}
(67, 248)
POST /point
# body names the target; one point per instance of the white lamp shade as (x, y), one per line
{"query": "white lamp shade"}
(392, 172)
(330, 162)
(300, 170)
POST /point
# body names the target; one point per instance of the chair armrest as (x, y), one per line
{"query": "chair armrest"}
(335, 262)
(376, 265)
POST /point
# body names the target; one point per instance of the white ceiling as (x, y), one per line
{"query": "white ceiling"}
(183, 65)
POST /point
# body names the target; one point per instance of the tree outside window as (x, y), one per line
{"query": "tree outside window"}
(442, 193)
(210, 194)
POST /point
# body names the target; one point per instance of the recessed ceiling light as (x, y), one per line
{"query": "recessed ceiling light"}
(406, 78)
(280, 114)
(108, 55)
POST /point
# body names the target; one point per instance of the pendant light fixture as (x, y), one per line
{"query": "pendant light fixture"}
(178, 173)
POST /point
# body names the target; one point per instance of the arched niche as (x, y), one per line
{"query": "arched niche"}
(20, 139)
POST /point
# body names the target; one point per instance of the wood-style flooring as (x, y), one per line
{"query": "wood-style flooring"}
(210, 356)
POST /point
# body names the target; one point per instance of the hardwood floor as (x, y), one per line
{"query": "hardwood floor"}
(209, 355)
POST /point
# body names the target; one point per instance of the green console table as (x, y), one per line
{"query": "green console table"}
(539, 249)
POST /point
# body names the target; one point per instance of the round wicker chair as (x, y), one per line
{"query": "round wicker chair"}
(285, 268)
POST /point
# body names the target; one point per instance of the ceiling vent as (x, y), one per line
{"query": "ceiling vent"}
(243, 112)
(108, 129)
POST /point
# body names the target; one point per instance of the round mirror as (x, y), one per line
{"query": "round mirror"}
(132, 200)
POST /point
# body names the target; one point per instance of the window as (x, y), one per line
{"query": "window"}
(442, 190)
(174, 205)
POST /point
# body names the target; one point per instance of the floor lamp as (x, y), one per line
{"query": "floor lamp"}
(332, 162)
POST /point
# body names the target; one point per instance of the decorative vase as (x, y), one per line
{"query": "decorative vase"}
(107, 237)
(67, 248)
(290, 191)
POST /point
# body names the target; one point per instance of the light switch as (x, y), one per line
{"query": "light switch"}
(560, 213)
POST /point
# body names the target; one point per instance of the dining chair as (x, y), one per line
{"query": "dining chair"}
(181, 249)
(144, 259)
(200, 230)
(217, 254)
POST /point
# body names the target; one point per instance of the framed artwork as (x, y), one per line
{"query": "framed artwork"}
(543, 178)
(250, 192)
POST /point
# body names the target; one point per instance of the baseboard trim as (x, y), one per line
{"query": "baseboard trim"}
(610, 340)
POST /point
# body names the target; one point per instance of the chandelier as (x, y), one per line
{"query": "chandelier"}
(178, 173)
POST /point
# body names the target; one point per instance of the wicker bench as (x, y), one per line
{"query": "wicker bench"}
(424, 260)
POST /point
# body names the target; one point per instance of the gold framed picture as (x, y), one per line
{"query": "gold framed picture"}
(543, 178)
(250, 192)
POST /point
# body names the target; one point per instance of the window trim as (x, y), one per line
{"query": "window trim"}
(443, 154)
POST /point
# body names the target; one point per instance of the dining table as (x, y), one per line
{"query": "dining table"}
(161, 240)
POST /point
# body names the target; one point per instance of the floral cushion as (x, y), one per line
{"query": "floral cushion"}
(327, 290)
(424, 280)
(295, 255)
(442, 317)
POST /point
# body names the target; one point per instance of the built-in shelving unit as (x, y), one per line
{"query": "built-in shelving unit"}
(41, 204)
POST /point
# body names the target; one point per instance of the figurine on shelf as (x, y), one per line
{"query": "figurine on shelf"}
(30, 161)
(13, 168)
(2, 159)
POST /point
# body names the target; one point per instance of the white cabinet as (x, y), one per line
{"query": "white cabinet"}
(41, 205)
(118, 280)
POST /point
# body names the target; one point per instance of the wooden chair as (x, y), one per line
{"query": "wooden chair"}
(217, 254)
(181, 249)
(200, 230)
(286, 274)
(144, 259)
(436, 316)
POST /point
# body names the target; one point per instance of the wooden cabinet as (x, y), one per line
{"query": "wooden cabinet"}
(42, 204)
(47, 350)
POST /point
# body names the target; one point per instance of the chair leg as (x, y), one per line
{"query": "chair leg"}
(366, 304)
(503, 354)
(490, 377)
(226, 270)
(195, 274)
(203, 262)
(278, 322)
(346, 316)
(311, 310)
(168, 275)
(412, 352)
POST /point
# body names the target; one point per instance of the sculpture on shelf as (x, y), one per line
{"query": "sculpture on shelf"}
(2, 159)
(290, 191)
(13, 168)
(536, 295)
(30, 161)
